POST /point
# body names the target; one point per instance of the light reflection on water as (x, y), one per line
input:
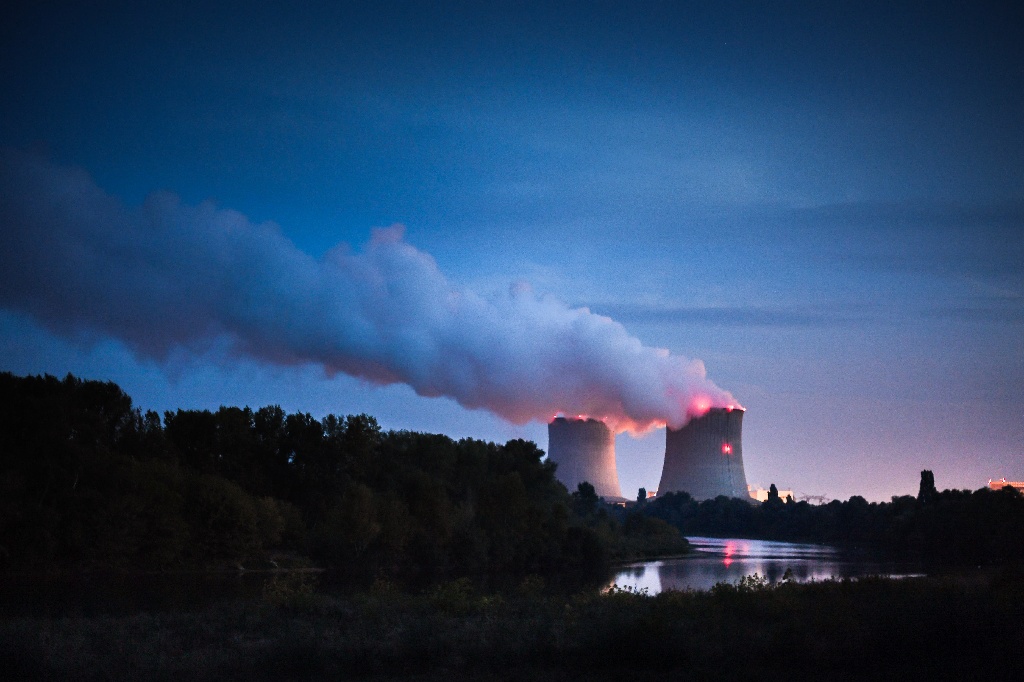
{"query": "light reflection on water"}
(718, 560)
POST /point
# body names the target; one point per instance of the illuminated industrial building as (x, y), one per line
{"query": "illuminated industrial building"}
(761, 494)
(999, 484)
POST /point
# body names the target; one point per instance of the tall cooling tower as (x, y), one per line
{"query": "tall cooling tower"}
(705, 457)
(584, 450)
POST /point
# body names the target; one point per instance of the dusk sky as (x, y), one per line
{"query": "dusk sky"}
(823, 202)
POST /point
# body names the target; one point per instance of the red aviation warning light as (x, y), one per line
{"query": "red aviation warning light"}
(726, 449)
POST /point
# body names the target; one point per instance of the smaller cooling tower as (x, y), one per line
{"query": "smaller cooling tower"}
(584, 450)
(705, 457)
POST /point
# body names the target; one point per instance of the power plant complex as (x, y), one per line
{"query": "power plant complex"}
(703, 458)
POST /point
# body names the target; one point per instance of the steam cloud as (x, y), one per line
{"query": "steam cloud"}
(165, 275)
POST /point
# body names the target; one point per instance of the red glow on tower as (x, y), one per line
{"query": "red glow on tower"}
(700, 406)
(726, 449)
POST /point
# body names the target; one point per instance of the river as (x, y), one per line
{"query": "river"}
(714, 560)
(717, 560)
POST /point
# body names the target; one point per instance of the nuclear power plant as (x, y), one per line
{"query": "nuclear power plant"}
(584, 450)
(705, 457)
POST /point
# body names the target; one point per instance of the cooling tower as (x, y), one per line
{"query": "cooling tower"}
(584, 450)
(705, 457)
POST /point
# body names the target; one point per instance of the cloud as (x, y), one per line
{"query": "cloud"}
(728, 316)
(165, 276)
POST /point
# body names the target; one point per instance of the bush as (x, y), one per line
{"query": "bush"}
(224, 520)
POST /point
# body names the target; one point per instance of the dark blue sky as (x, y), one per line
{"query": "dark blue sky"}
(822, 201)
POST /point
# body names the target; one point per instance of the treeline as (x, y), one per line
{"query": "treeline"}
(955, 526)
(86, 479)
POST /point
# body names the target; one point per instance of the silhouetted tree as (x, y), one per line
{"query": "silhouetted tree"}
(926, 492)
(585, 499)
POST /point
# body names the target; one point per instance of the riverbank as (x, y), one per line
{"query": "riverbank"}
(866, 629)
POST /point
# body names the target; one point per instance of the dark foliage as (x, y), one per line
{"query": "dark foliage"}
(952, 526)
(86, 480)
(926, 491)
(871, 629)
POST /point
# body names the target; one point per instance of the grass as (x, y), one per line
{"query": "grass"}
(837, 630)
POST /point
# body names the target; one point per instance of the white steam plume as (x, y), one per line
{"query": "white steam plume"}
(164, 275)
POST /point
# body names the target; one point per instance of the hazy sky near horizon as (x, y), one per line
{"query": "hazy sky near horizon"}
(823, 202)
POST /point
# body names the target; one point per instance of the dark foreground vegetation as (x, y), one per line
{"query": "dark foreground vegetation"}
(88, 481)
(952, 526)
(914, 629)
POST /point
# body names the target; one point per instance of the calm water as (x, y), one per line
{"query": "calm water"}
(715, 560)
(728, 560)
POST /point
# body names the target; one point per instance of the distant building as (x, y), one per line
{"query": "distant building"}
(761, 494)
(1001, 483)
